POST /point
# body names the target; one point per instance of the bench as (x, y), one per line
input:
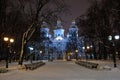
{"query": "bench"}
(33, 66)
(87, 64)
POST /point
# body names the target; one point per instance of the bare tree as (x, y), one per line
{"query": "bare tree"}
(2, 15)
(102, 19)
(20, 18)
(40, 15)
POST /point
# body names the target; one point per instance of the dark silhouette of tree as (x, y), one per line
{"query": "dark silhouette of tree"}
(19, 17)
(100, 21)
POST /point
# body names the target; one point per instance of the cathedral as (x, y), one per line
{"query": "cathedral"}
(59, 45)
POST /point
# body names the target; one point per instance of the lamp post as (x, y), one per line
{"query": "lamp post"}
(76, 54)
(6, 39)
(8, 42)
(83, 52)
(112, 39)
(87, 51)
(91, 52)
(41, 55)
(10, 51)
(31, 56)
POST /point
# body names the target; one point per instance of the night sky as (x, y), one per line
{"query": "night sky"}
(77, 8)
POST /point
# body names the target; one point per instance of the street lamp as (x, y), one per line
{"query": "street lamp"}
(8, 41)
(40, 52)
(87, 51)
(76, 54)
(88, 47)
(31, 49)
(11, 40)
(112, 39)
(83, 48)
(41, 55)
(91, 46)
(76, 51)
(117, 37)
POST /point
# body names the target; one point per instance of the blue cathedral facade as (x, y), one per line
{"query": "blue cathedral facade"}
(59, 45)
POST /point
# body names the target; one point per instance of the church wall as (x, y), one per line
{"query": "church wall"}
(59, 45)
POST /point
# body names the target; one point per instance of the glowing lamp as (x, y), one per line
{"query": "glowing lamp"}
(6, 38)
(11, 40)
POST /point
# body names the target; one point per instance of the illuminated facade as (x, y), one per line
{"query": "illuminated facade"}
(59, 41)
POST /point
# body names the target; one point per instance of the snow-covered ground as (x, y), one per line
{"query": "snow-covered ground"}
(61, 70)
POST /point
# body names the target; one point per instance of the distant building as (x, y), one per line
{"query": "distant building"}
(59, 45)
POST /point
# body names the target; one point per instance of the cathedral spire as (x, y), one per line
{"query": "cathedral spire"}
(44, 24)
(59, 24)
(73, 24)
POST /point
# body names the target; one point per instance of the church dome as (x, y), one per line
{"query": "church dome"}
(59, 31)
(44, 25)
(59, 24)
(73, 24)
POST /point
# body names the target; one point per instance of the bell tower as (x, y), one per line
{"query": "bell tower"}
(59, 31)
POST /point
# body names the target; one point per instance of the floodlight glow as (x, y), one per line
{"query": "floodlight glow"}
(59, 38)
(68, 35)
